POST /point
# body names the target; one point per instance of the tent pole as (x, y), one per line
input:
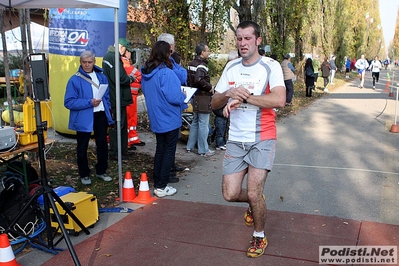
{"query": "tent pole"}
(118, 100)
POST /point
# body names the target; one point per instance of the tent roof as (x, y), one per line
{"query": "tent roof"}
(58, 3)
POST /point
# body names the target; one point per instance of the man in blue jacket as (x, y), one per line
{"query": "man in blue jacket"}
(89, 112)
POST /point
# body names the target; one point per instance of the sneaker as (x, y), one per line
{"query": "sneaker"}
(86, 180)
(326, 90)
(221, 148)
(208, 153)
(167, 191)
(188, 150)
(249, 220)
(105, 177)
(257, 247)
(373, 87)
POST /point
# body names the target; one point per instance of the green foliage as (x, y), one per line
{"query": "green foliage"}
(14, 62)
(216, 67)
(316, 27)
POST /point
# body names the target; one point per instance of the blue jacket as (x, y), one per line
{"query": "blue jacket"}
(78, 97)
(164, 98)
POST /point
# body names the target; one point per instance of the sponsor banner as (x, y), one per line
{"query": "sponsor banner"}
(358, 255)
(72, 31)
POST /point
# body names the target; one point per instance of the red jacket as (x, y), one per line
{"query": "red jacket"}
(132, 71)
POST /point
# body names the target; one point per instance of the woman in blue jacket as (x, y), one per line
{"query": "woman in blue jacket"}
(88, 113)
(165, 104)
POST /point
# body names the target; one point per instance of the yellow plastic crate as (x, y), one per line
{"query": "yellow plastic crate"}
(84, 205)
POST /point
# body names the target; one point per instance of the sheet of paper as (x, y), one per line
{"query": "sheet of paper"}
(101, 90)
(189, 92)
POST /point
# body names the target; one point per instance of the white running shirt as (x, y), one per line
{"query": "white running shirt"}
(250, 123)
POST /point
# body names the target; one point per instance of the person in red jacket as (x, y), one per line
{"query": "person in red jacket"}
(131, 110)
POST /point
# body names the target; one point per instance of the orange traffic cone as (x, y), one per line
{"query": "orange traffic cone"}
(128, 192)
(144, 195)
(7, 257)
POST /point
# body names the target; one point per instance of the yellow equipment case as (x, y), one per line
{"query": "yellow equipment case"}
(85, 207)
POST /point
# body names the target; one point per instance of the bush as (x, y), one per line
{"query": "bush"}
(216, 67)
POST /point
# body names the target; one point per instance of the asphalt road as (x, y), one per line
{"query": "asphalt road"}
(336, 157)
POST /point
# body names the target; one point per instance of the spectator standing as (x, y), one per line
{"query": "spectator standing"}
(165, 104)
(376, 67)
(258, 89)
(131, 110)
(309, 77)
(89, 113)
(361, 66)
(289, 75)
(198, 77)
(325, 73)
(316, 66)
(125, 96)
(347, 67)
(181, 73)
(333, 69)
(353, 63)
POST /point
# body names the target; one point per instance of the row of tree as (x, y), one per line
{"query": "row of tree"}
(317, 27)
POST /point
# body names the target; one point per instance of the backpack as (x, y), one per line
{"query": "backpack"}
(309, 72)
(13, 198)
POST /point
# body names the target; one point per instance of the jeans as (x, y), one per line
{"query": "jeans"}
(100, 134)
(332, 76)
(325, 82)
(164, 157)
(220, 130)
(199, 132)
(289, 86)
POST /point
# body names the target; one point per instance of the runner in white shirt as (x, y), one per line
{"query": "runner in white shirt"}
(252, 86)
(361, 66)
(376, 67)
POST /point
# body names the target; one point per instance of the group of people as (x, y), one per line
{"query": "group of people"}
(247, 93)
(329, 68)
(93, 108)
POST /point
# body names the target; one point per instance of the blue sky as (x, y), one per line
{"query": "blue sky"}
(388, 14)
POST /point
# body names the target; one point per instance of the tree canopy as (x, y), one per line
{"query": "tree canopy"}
(314, 27)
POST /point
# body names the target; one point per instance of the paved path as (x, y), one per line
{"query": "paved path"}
(335, 158)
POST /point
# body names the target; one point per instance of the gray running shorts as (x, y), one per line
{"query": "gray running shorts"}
(241, 154)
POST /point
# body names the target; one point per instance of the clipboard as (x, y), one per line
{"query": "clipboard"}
(189, 92)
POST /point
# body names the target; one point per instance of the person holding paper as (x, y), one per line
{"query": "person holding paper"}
(165, 104)
(89, 113)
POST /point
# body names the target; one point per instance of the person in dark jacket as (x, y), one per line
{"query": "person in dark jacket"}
(125, 96)
(309, 77)
(165, 104)
(89, 112)
(325, 73)
(198, 77)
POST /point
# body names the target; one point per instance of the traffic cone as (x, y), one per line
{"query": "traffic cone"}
(7, 257)
(128, 192)
(387, 84)
(144, 195)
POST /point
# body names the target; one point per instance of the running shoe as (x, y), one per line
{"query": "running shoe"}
(257, 247)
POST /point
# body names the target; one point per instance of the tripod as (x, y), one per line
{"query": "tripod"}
(49, 196)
